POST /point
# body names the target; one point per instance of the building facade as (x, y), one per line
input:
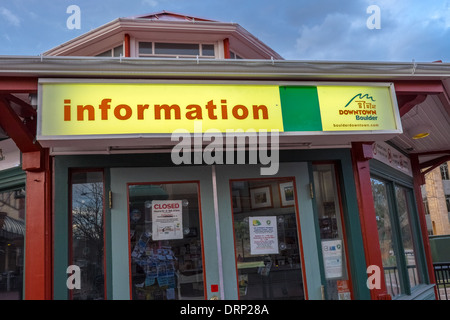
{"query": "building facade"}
(437, 200)
(170, 157)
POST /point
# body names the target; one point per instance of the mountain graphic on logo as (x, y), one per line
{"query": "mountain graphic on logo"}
(360, 96)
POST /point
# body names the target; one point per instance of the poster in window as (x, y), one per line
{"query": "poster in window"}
(287, 194)
(263, 235)
(332, 258)
(167, 219)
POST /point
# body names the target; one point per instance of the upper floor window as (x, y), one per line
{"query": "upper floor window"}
(234, 55)
(114, 52)
(176, 50)
(447, 202)
(444, 172)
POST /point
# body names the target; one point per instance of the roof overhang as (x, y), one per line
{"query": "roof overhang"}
(166, 30)
(423, 87)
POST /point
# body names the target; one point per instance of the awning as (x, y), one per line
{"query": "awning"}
(11, 228)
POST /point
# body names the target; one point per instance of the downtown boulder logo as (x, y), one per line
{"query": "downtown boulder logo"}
(361, 106)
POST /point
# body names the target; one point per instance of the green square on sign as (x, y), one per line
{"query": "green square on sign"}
(300, 108)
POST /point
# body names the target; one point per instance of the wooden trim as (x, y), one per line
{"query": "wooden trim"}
(38, 247)
(18, 85)
(226, 48)
(419, 87)
(127, 45)
(15, 128)
(361, 169)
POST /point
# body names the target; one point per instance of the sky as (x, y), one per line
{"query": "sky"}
(331, 30)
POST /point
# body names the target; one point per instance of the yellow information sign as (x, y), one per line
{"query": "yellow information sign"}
(81, 108)
(141, 108)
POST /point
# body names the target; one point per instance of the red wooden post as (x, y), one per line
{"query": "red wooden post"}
(226, 48)
(38, 244)
(127, 45)
(361, 154)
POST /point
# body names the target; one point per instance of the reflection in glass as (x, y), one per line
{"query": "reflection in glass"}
(388, 254)
(165, 244)
(87, 234)
(267, 247)
(177, 48)
(208, 50)
(406, 233)
(12, 233)
(331, 232)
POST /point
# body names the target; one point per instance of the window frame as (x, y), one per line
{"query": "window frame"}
(111, 52)
(393, 178)
(70, 225)
(337, 185)
(298, 232)
(444, 171)
(200, 231)
(176, 56)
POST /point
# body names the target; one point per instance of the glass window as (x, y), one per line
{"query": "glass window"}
(12, 234)
(447, 202)
(165, 241)
(207, 50)
(234, 55)
(331, 233)
(174, 50)
(395, 230)
(385, 235)
(107, 53)
(404, 213)
(145, 47)
(87, 243)
(114, 52)
(182, 49)
(444, 172)
(117, 51)
(267, 248)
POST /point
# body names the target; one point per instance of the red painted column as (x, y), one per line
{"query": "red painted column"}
(38, 240)
(127, 45)
(418, 180)
(226, 48)
(361, 154)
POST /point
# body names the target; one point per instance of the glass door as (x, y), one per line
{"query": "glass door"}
(267, 224)
(165, 241)
(163, 245)
(266, 237)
